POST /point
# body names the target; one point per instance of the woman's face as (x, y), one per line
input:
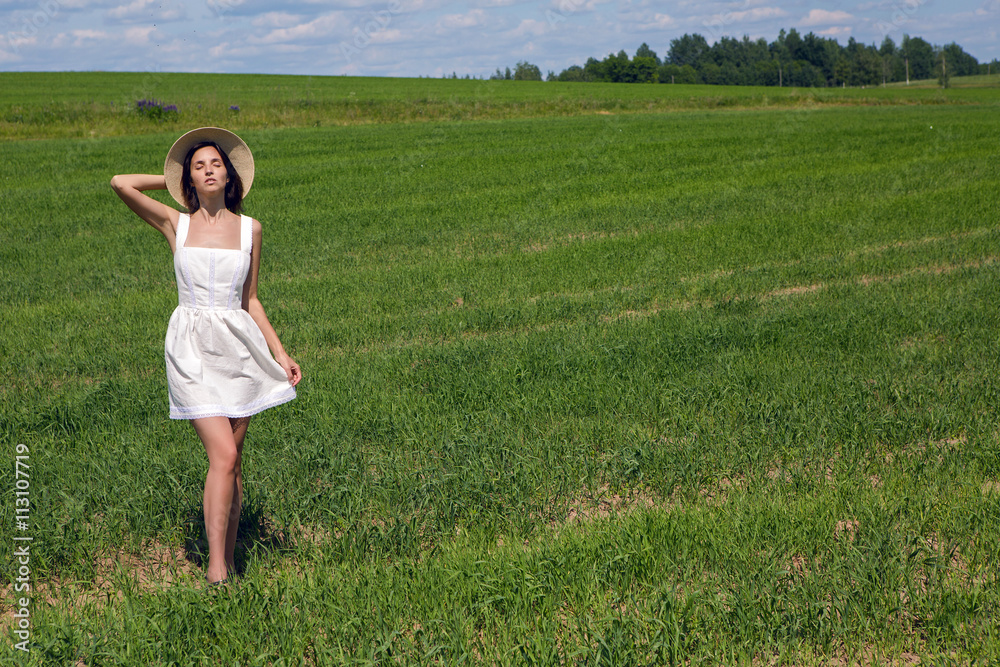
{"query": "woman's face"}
(208, 173)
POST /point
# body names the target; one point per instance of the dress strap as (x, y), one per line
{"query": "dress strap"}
(246, 233)
(183, 222)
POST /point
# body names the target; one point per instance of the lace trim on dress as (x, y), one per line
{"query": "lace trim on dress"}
(233, 412)
(187, 277)
(211, 279)
(236, 285)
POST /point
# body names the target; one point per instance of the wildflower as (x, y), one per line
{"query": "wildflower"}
(156, 110)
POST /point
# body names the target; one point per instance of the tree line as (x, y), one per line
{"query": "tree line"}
(790, 60)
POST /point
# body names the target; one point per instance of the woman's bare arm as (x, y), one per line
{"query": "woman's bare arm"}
(161, 217)
(256, 309)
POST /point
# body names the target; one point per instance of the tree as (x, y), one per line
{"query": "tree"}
(817, 51)
(678, 74)
(688, 50)
(711, 73)
(644, 70)
(866, 65)
(794, 44)
(617, 68)
(941, 68)
(573, 73)
(801, 74)
(920, 56)
(645, 52)
(525, 71)
(891, 60)
(960, 63)
(595, 70)
(791, 60)
(730, 75)
(842, 71)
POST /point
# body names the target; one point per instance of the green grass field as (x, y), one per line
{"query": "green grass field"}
(597, 375)
(974, 81)
(100, 104)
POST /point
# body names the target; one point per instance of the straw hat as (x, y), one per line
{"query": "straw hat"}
(235, 148)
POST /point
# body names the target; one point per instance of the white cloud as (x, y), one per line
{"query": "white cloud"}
(528, 27)
(147, 10)
(242, 51)
(387, 36)
(139, 36)
(823, 17)
(645, 21)
(567, 7)
(129, 11)
(276, 20)
(76, 4)
(476, 17)
(223, 6)
(756, 14)
(660, 21)
(421, 37)
(882, 5)
(83, 35)
(988, 7)
(18, 41)
(322, 27)
(422, 6)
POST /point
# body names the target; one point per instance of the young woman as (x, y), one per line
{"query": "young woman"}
(219, 367)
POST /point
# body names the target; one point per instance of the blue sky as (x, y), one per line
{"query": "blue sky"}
(438, 37)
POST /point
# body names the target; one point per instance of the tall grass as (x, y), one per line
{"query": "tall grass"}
(713, 387)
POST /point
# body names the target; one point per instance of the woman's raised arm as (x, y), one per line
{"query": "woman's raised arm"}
(161, 217)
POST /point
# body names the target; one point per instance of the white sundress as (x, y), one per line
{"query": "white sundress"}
(218, 363)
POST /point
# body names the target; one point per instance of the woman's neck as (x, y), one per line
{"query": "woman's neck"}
(214, 209)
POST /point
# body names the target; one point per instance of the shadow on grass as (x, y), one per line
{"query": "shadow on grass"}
(257, 534)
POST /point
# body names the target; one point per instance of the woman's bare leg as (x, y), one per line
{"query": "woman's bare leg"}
(219, 439)
(239, 427)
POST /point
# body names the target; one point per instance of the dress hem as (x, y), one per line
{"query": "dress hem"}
(232, 412)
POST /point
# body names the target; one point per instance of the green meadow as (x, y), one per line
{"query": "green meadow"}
(95, 105)
(593, 375)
